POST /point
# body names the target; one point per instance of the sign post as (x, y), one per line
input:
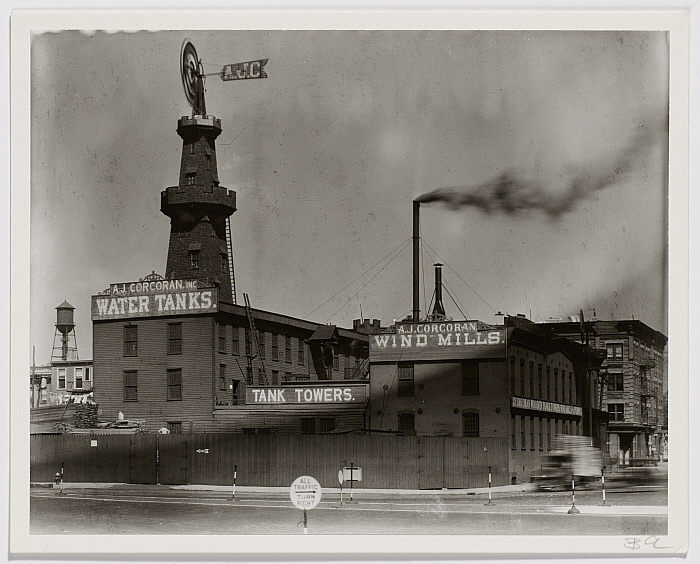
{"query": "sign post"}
(305, 493)
(341, 479)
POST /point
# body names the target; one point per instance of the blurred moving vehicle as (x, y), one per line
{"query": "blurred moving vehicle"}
(573, 456)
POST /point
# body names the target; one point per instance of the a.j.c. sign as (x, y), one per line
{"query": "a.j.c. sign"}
(267, 395)
(153, 298)
(550, 406)
(438, 341)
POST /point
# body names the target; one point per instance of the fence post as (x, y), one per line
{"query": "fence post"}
(573, 509)
(602, 481)
(489, 502)
(233, 494)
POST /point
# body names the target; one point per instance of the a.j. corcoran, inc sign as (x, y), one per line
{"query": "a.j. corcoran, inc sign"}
(444, 340)
(153, 298)
(267, 395)
(539, 405)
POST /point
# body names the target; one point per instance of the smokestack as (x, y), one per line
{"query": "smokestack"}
(416, 260)
(438, 308)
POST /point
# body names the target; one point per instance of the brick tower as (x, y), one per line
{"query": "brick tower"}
(198, 207)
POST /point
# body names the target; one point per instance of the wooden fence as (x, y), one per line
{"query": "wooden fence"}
(271, 460)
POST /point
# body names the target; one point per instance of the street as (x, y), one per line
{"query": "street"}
(132, 509)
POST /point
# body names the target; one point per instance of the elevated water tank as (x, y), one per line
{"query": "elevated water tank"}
(64, 318)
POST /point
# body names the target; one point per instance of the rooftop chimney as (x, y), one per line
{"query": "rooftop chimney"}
(438, 308)
(416, 260)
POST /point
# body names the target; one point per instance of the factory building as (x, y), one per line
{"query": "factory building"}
(631, 383)
(437, 376)
(179, 353)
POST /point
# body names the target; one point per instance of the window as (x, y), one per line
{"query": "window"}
(131, 385)
(470, 424)
(130, 340)
(405, 388)
(614, 351)
(61, 378)
(556, 385)
(300, 354)
(540, 443)
(224, 261)
(308, 425)
(78, 384)
(175, 384)
(194, 260)
(513, 440)
(261, 342)
(407, 423)
(548, 387)
(174, 338)
(532, 379)
(571, 388)
(175, 427)
(87, 374)
(470, 379)
(549, 434)
(522, 376)
(617, 411)
(275, 377)
(222, 377)
(275, 347)
(249, 374)
(234, 341)
(523, 445)
(512, 375)
(326, 424)
(287, 348)
(539, 381)
(336, 358)
(532, 433)
(234, 391)
(616, 382)
(247, 342)
(222, 337)
(261, 378)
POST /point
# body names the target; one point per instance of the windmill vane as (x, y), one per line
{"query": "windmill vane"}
(193, 75)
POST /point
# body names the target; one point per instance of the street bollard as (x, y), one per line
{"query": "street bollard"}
(489, 502)
(233, 493)
(602, 481)
(573, 509)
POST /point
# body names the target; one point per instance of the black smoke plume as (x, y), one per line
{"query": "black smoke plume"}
(511, 193)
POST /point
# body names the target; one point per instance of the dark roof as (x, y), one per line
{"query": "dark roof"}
(65, 305)
(325, 333)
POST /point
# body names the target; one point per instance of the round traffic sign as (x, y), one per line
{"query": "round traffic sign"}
(305, 492)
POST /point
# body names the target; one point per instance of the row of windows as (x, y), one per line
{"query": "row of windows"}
(173, 385)
(194, 253)
(469, 379)
(174, 342)
(470, 423)
(81, 374)
(543, 386)
(537, 432)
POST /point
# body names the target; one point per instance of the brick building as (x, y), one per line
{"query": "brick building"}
(631, 384)
(180, 352)
(471, 379)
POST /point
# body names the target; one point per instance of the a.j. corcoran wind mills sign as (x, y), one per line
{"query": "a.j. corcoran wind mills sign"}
(193, 75)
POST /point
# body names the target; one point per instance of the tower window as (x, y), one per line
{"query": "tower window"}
(194, 260)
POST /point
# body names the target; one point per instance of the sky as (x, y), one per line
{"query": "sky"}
(539, 158)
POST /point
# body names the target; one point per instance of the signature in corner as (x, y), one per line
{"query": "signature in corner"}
(634, 543)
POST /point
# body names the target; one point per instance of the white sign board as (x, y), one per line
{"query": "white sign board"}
(356, 475)
(305, 492)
